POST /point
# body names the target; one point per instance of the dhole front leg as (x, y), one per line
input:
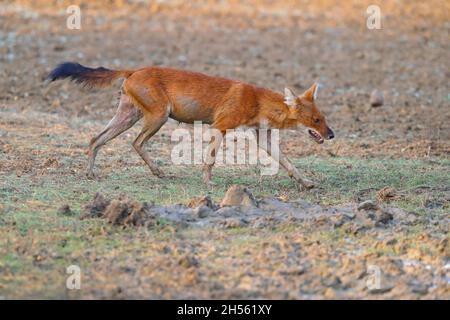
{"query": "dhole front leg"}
(211, 153)
(285, 162)
(151, 126)
(295, 174)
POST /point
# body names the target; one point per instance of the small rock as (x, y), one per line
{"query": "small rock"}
(65, 210)
(368, 205)
(330, 293)
(411, 218)
(233, 223)
(376, 98)
(238, 196)
(166, 250)
(332, 282)
(202, 211)
(350, 215)
(381, 290)
(419, 288)
(390, 241)
(188, 261)
(383, 217)
(182, 58)
(296, 271)
(59, 47)
(228, 212)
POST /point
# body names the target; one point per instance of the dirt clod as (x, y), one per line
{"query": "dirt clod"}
(95, 208)
(238, 196)
(387, 194)
(128, 212)
(202, 201)
(188, 261)
(270, 212)
(382, 217)
(203, 211)
(230, 223)
(65, 210)
(120, 211)
(116, 212)
(50, 162)
(368, 205)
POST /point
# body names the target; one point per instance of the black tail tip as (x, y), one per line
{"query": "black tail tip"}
(66, 70)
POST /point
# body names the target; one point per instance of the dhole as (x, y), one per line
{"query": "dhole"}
(157, 94)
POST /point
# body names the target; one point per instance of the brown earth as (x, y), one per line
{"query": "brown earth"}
(403, 275)
(290, 43)
(407, 59)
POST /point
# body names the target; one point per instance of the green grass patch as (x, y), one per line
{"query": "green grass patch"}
(37, 243)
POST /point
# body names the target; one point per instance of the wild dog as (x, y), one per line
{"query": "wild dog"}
(157, 94)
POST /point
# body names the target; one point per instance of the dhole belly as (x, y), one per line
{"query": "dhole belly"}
(186, 109)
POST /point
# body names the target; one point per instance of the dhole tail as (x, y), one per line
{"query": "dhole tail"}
(88, 77)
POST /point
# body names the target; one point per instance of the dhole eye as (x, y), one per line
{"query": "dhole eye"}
(316, 121)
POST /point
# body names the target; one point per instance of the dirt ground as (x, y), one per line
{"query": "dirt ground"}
(323, 253)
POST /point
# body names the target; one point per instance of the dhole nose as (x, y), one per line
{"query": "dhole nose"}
(330, 134)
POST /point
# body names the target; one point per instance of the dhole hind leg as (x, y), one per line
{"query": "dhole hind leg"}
(285, 162)
(126, 116)
(151, 126)
(155, 105)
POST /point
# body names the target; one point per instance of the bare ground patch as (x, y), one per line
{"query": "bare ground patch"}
(286, 244)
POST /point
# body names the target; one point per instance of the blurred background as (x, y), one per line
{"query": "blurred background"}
(271, 44)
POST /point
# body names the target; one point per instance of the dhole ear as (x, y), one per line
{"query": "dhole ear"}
(311, 93)
(289, 97)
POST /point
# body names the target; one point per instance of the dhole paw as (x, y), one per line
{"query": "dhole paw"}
(305, 184)
(91, 175)
(158, 172)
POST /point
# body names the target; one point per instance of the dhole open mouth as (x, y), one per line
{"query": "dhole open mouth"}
(315, 135)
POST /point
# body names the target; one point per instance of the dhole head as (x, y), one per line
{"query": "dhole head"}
(305, 111)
